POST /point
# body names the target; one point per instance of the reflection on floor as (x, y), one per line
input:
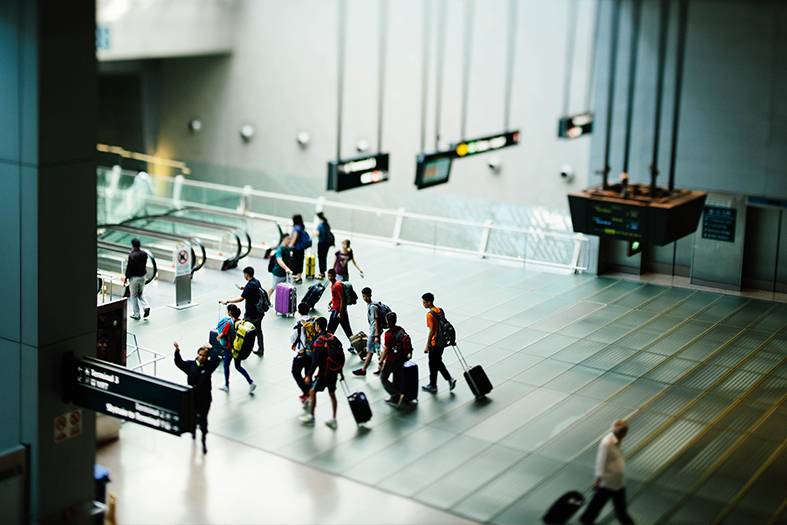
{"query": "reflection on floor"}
(700, 376)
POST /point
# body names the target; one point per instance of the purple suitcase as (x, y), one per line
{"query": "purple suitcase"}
(286, 299)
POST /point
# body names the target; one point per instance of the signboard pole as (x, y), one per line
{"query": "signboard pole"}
(182, 258)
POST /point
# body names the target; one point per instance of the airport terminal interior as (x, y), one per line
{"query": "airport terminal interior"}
(595, 191)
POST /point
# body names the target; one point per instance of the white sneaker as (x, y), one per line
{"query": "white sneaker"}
(308, 419)
(224, 388)
(252, 388)
(332, 423)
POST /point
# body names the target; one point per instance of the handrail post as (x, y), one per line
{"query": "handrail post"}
(245, 202)
(177, 191)
(397, 233)
(577, 253)
(485, 238)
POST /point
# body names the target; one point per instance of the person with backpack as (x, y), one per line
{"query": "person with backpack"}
(375, 314)
(441, 334)
(240, 338)
(302, 340)
(341, 296)
(327, 363)
(278, 264)
(341, 262)
(300, 241)
(257, 303)
(397, 349)
(325, 240)
(199, 372)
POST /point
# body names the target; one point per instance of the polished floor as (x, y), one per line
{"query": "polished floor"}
(701, 377)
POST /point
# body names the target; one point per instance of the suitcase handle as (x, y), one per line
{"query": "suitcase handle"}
(345, 388)
(463, 363)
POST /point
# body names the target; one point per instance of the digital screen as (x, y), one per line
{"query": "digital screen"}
(618, 220)
(468, 148)
(360, 171)
(433, 169)
(719, 224)
(575, 126)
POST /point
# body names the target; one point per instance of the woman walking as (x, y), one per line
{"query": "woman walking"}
(341, 262)
(300, 241)
(325, 240)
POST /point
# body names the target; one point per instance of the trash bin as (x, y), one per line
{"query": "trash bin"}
(101, 475)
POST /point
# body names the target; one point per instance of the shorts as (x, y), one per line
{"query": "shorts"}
(277, 280)
(323, 382)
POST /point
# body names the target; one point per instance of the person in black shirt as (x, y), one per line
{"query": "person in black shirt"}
(324, 378)
(199, 372)
(251, 294)
(135, 279)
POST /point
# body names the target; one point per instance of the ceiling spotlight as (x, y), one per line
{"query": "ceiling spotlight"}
(304, 138)
(363, 145)
(247, 132)
(195, 125)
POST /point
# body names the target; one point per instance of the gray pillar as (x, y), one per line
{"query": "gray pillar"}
(47, 237)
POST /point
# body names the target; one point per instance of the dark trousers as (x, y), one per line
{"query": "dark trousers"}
(392, 367)
(227, 358)
(436, 365)
(201, 410)
(258, 325)
(322, 255)
(600, 499)
(334, 323)
(299, 364)
(296, 262)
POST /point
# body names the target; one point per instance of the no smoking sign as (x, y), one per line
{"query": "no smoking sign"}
(68, 425)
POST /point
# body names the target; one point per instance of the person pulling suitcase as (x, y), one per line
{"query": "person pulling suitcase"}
(439, 337)
(397, 349)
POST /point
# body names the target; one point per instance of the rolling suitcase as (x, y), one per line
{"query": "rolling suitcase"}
(565, 507)
(359, 405)
(214, 342)
(358, 342)
(313, 294)
(475, 376)
(309, 273)
(286, 298)
(408, 383)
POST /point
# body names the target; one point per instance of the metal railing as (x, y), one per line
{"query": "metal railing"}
(135, 349)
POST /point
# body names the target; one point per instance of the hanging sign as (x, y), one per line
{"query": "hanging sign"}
(360, 171)
(433, 168)
(482, 145)
(575, 126)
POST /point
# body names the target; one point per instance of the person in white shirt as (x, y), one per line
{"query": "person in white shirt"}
(610, 480)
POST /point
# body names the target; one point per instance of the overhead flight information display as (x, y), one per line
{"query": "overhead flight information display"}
(433, 168)
(482, 145)
(619, 221)
(575, 126)
(360, 171)
(125, 394)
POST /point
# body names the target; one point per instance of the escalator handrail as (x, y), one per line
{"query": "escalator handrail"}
(237, 215)
(153, 234)
(120, 248)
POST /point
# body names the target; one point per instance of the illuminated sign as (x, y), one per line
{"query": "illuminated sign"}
(575, 126)
(122, 393)
(357, 172)
(433, 168)
(482, 145)
(620, 221)
(718, 224)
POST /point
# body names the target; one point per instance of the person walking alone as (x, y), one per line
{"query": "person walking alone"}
(325, 240)
(300, 241)
(198, 373)
(136, 270)
(434, 349)
(341, 262)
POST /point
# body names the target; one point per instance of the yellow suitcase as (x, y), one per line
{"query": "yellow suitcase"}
(310, 266)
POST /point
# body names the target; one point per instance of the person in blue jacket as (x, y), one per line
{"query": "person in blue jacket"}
(199, 372)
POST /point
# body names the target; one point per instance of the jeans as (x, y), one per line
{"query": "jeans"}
(322, 255)
(600, 499)
(258, 325)
(136, 285)
(334, 322)
(436, 365)
(300, 363)
(227, 358)
(392, 367)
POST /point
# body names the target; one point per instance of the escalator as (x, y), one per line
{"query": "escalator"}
(111, 261)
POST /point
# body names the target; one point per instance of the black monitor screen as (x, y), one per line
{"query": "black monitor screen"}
(433, 168)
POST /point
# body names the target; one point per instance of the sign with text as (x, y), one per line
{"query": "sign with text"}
(482, 145)
(360, 171)
(620, 221)
(125, 394)
(719, 224)
(433, 168)
(575, 126)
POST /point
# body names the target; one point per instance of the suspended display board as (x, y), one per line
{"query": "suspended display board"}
(119, 392)
(433, 168)
(360, 171)
(575, 126)
(468, 148)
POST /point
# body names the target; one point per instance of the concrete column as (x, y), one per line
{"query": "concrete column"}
(47, 238)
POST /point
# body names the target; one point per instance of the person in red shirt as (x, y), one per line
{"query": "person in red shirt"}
(338, 307)
(393, 358)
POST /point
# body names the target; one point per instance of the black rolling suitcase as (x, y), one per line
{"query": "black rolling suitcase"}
(408, 384)
(565, 507)
(214, 342)
(313, 294)
(476, 378)
(359, 405)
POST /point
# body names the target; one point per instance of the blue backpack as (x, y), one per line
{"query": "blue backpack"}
(225, 330)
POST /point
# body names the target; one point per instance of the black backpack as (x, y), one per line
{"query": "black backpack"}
(384, 310)
(272, 262)
(264, 302)
(335, 359)
(350, 297)
(446, 333)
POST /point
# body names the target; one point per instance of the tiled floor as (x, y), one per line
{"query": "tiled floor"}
(701, 376)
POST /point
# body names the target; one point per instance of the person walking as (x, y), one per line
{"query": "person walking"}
(375, 317)
(300, 241)
(198, 373)
(280, 266)
(232, 354)
(338, 307)
(302, 338)
(326, 371)
(136, 270)
(341, 262)
(610, 480)
(325, 240)
(433, 348)
(394, 355)
(252, 292)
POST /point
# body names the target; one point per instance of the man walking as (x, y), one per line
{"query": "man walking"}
(610, 481)
(327, 370)
(280, 266)
(395, 354)
(198, 373)
(374, 315)
(433, 345)
(302, 338)
(252, 292)
(338, 306)
(136, 269)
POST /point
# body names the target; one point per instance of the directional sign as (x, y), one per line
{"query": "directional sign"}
(482, 145)
(575, 126)
(432, 169)
(119, 392)
(360, 171)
